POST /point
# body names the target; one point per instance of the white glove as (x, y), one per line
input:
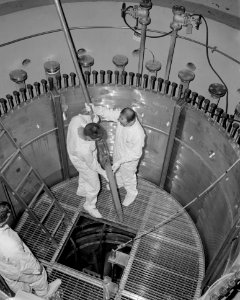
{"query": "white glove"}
(89, 107)
(89, 110)
(116, 166)
(95, 118)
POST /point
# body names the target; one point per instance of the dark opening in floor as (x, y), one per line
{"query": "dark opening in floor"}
(90, 245)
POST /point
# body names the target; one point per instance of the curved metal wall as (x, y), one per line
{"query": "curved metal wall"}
(202, 150)
(32, 125)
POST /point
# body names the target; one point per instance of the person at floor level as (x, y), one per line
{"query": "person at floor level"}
(82, 152)
(18, 266)
(128, 147)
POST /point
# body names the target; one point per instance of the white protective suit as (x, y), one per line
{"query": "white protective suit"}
(18, 266)
(83, 155)
(128, 147)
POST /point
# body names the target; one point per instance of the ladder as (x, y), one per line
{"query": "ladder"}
(18, 175)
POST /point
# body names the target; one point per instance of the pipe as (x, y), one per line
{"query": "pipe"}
(73, 52)
(144, 20)
(170, 54)
(142, 48)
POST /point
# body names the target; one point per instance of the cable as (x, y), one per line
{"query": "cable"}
(135, 31)
(149, 36)
(172, 217)
(159, 36)
(208, 59)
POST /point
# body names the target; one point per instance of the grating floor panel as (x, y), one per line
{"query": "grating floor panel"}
(75, 288)
(36, 239)
(166, 264)
(169, 255)
(158, 287)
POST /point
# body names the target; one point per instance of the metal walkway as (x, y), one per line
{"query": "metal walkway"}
(167, 264)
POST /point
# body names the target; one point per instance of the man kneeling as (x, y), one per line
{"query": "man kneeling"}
(18, 266)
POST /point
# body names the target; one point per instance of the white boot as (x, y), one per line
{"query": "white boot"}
(93, 211)
(130, 197)
(53, 287)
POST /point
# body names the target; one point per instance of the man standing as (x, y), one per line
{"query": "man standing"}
(128, 147)
(81, 147)
(18, 266)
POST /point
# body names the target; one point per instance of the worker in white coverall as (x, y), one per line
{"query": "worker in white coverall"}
(81, 147)
(18, 266)
(128, 147)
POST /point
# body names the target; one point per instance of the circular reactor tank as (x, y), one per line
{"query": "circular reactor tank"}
(189, 145)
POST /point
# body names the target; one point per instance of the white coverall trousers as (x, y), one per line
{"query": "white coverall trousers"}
(88, 188)
(126, 177)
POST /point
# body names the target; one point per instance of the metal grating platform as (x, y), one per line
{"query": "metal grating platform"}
(167, 264)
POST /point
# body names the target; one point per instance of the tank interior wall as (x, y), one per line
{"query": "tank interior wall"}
(192, 168)
(103, 44)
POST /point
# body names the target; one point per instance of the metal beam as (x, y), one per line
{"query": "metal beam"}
(142, 48)
(172, 132)
(56, 99)
(105, 162)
